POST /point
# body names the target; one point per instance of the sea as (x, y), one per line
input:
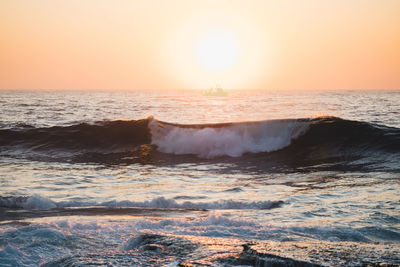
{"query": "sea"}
(177, 178)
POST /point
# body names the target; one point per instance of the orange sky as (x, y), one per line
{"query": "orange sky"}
(96, 44)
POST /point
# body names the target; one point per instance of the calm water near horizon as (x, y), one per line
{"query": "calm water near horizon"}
(166, 178)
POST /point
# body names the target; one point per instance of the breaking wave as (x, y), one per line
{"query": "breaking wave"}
(113, 141)
(209, 141)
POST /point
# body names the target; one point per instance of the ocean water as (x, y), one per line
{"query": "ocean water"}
(255, 178)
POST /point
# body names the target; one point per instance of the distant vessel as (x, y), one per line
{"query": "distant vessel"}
(217, 91)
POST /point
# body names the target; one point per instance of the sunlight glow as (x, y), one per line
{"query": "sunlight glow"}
(217, 50)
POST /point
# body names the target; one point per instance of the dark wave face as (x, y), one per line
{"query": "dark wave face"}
(293, 142)
(346, 145)
(100, 142)
(101, 136)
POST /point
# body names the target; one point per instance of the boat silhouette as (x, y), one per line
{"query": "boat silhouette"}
(217, 91)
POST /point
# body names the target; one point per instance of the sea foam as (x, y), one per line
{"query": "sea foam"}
(42, 203)
(231, 140)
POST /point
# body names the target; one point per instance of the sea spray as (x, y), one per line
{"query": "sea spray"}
(232, 140)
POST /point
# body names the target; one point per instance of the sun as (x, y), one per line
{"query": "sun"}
(211, 48)
(217, 50)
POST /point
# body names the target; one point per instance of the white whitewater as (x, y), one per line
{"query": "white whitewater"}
(233, 140)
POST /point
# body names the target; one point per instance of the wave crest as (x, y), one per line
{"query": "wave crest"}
(298, 142)
(234, 140)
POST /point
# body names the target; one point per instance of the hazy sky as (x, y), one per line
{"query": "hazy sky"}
(95, 44)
